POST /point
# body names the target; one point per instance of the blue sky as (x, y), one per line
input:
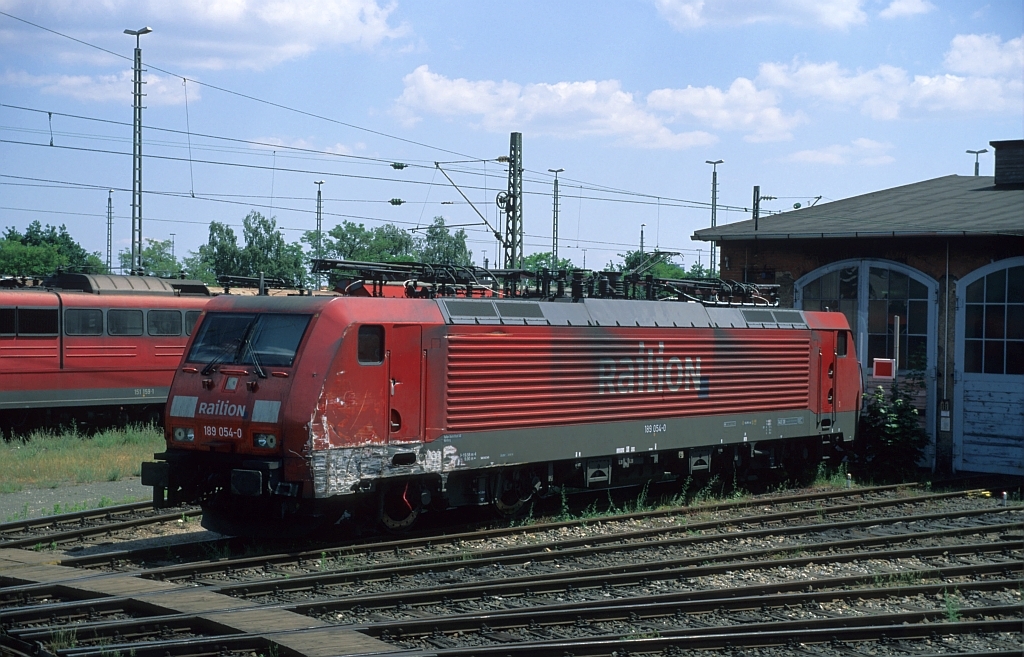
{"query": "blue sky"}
(805, 98)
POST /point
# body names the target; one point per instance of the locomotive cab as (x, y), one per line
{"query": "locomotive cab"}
(226, 417)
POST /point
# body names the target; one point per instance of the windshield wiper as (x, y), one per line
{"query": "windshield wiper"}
(247, 345)
(219, 358)
(255, 360)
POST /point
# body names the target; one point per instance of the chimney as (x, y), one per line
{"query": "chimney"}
(1009, 162)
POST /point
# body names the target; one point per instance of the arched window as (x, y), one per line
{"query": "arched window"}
(875, 296)
(994, 323)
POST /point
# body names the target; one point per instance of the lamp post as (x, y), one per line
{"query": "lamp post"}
(172, 246)
(137, 154)
(319, 228)
(642, 226)
(554, 222)
(976, 154)
(714, 206)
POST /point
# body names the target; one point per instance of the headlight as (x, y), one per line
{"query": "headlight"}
(264, 440)
(183, 435)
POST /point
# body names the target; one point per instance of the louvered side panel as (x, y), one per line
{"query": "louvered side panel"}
(501, 381)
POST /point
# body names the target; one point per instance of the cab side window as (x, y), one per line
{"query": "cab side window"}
(371, 345)
(191, 317)
(842, 346)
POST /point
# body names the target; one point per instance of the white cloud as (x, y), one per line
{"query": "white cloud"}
(985, 54)
(234, 33)
(863, 151)
(887, 92)
(566, 109)
(834, 14)
(898, 8)
(160, 90)
(741, 107)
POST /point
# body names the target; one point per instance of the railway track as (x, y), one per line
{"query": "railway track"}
(459, 542)
(67, 527)
(844, 573)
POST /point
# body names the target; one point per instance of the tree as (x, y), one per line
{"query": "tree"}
(16, 259)
(220, 256)
(635, 259)
(536, 261)
(156, 259)
(350, 241)
(70, 254)
(439, 246)
(266, 251)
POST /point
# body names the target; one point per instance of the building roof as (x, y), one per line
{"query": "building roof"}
(947, 206)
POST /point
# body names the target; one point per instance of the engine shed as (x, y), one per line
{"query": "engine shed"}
(946, 257)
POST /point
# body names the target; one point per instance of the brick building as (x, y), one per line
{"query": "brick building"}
(946, 256)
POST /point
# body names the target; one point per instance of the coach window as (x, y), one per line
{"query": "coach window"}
(8, 323)
(83, 321)
(124, 322)
(164, 322)
(371, 345)
(37, 321)
(191, 317)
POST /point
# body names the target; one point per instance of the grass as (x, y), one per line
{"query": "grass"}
(47, 460)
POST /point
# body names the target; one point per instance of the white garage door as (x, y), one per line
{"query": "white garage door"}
(988, 433)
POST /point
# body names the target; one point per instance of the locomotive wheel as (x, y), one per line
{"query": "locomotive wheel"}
(400, 506)
(514, 491)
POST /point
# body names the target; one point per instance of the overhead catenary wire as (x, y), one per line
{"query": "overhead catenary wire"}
(238, 93)
(318, 172)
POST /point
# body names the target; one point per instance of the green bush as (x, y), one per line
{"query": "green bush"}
(890, 438)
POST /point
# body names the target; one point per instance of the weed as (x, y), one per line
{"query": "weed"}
(104, 501)
(564, 513)
(63, 639)
(823, 478)
(707, 492)
(952, 604)
(323, 561)
(906, 578)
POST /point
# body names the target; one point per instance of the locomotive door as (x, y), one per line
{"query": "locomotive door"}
(826, 379)
(404, 379)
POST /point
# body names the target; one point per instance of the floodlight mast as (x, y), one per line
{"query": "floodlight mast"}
(136, 266)
(714, 206)
(976, 154)
(554, 222)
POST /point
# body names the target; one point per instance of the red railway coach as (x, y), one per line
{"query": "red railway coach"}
(305, 408)
(92, 348)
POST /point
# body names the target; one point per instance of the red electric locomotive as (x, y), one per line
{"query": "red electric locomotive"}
(92, 348)
(304, 408)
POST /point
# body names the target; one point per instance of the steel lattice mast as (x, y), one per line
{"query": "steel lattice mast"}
(514, 204)
(137, 95)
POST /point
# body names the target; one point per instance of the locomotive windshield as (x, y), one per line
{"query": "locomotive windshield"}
(248, 339)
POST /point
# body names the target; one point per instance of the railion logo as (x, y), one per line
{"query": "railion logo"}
(222, 407)
(651, 372)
